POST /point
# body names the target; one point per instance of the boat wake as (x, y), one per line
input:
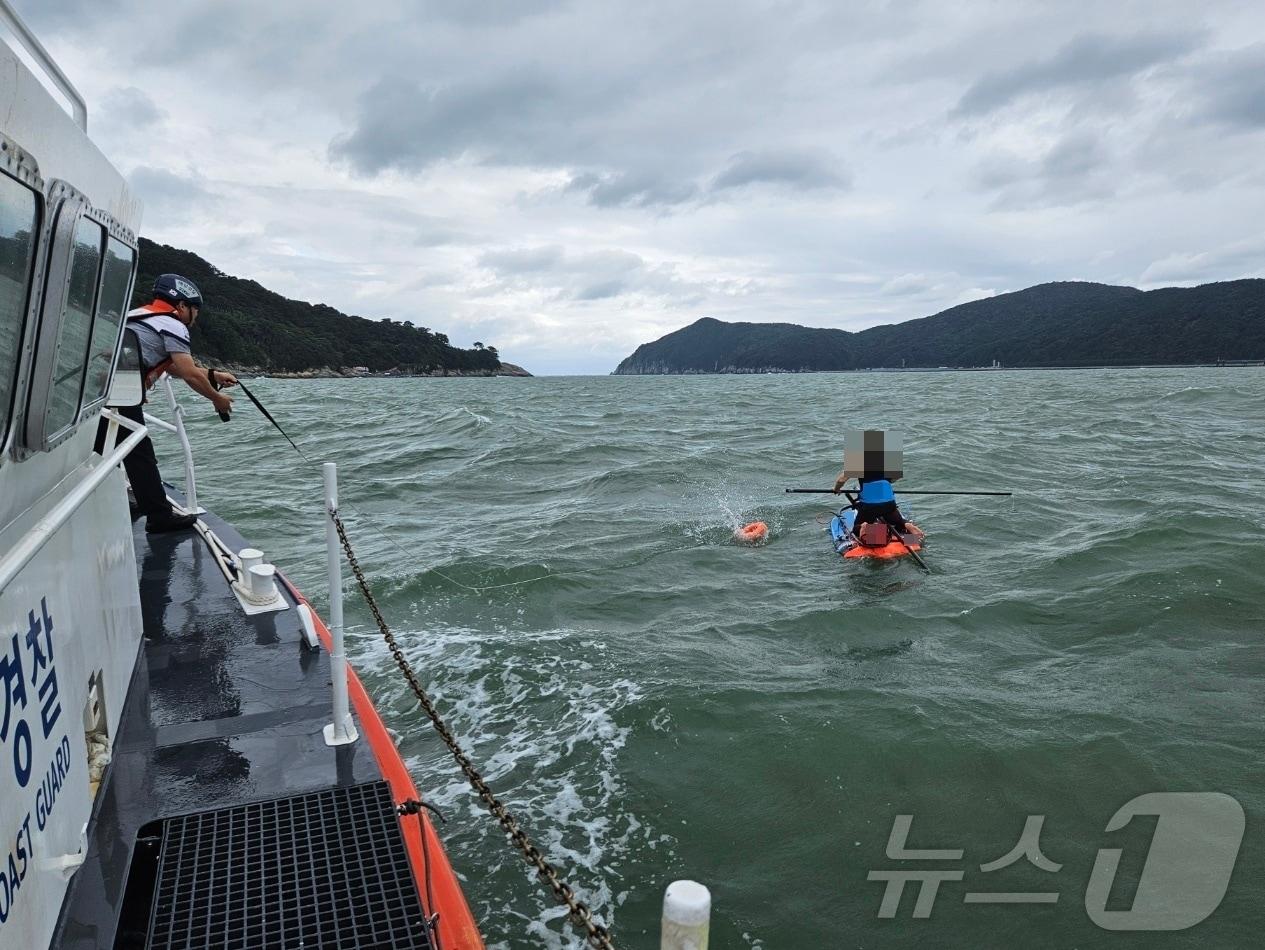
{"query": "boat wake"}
(545, 719)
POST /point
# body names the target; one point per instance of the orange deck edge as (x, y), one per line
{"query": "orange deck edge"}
(457, 927)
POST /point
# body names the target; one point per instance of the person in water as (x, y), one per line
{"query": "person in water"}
(877, 505)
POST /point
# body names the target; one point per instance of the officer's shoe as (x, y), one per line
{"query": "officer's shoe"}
(159, 524)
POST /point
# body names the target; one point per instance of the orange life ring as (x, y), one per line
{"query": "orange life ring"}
(752, 533)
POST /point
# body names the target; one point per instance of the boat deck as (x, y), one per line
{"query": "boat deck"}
(225, 710)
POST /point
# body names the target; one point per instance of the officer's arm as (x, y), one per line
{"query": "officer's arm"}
(182, 365)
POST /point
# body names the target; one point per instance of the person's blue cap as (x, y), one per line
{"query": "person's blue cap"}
(176, 289)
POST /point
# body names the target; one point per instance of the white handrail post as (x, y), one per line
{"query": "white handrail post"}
(342, 730)
(687, 912)
(190, 483)
(111, 431)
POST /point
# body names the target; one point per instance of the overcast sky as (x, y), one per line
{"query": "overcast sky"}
(567, 180)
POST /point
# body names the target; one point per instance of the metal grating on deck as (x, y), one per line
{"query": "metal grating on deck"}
(323, 870)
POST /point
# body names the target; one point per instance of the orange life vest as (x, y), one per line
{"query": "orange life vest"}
(157, 308)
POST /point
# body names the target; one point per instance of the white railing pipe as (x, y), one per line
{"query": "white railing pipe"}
(156, 423)
(43, 530)
(34, 49)
(190, 481)
(342, 730)
(687, 912)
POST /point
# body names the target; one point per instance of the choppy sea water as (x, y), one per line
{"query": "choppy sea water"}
(658, 702)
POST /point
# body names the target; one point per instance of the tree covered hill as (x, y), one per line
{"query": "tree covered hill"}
(1056, 324)
(245, 324)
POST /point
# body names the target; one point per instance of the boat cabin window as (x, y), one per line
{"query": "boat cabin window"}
(19, 235)
(116, 288)
(75, 331)
(89, 270)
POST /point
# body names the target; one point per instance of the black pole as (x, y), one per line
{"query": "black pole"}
(912, 553)
(899, 491)
(268, 415)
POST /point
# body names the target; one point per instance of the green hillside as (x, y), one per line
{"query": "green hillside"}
(1057, 324)
(245, 324)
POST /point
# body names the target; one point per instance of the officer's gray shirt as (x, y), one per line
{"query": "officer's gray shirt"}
(155, 346)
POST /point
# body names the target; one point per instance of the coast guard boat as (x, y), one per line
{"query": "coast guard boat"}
(186, 759)
(173, 770)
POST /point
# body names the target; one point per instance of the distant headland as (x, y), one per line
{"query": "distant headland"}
(257, 331)
(1065, 324)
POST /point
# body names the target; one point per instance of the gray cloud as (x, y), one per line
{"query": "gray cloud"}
(632, 189)
(168, 193)
(1077, 167)
(498, 13)
(640, 116)
(1085, 59)
(522, 260)
(46, 16)
(602, 290)
(405, 126)
(802, 170)
(794, 169)
(907, 285)
(436, 237)
(583, 277)
(1239, 259)
(130, 107)
(1074, 157)
(1230, 88)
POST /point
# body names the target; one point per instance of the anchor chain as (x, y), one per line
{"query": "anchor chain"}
(577, 910)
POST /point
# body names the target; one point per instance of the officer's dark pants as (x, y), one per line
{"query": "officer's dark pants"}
(141, 465)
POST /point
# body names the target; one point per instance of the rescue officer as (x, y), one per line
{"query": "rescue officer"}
(162, 330)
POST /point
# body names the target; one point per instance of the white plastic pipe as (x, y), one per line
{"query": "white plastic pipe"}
(156, 423)
(342, 730)
(687, 912)
(190, 481)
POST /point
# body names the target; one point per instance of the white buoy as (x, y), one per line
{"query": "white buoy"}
(687, 911)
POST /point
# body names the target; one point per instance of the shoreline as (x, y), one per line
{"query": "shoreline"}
(328, 372)
(1228, 364)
